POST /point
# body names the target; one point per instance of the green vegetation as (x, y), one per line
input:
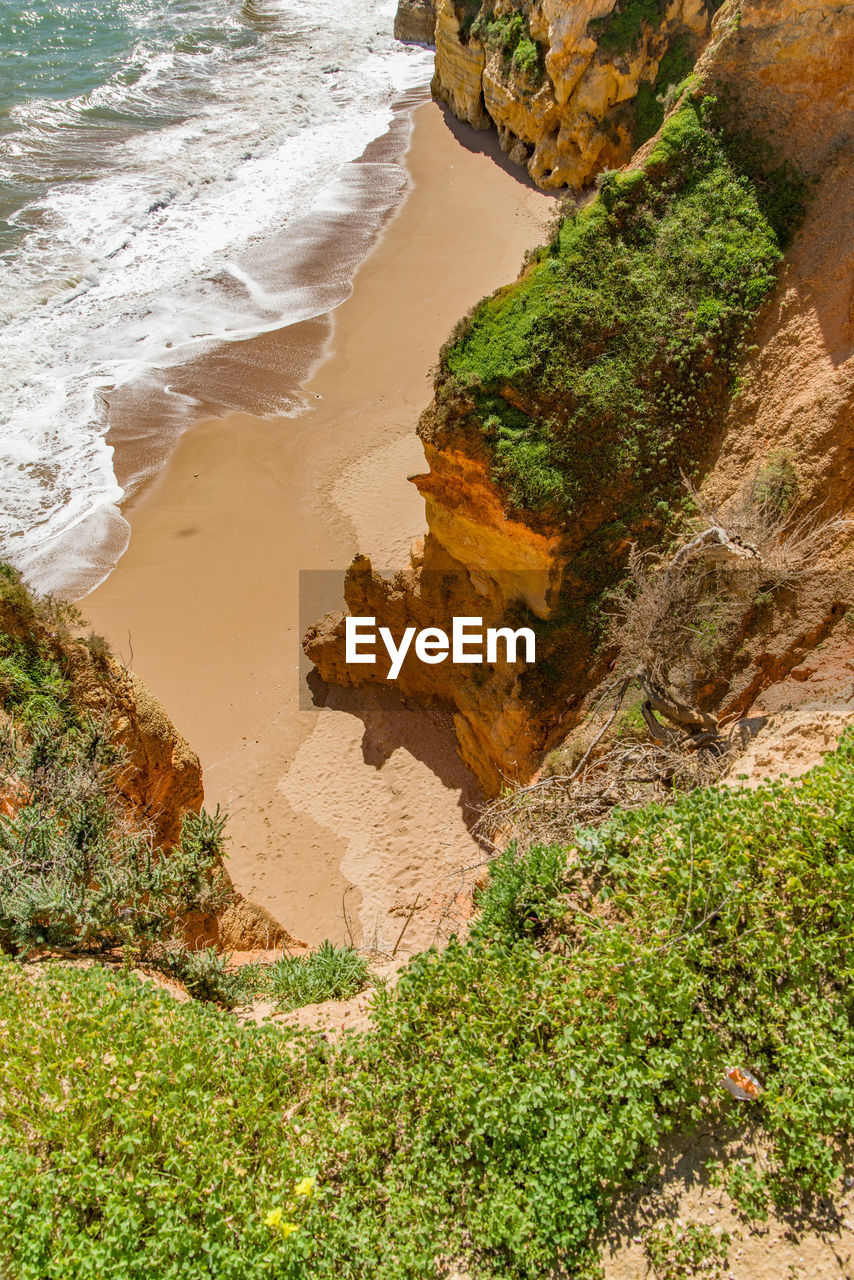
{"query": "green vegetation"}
(510, 35)
(607, 365)
(620, 31)
(687, 1249)
(76, 872)
(514, 1084)
(672, 79)
(329, 973)
(776, 484)
(467, 12)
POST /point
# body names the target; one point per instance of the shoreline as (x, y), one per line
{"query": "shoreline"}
(362, 797)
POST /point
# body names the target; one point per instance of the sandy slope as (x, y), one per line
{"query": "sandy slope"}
(357, 796)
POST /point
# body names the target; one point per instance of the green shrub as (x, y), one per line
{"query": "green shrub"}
(73, 873)
(621, 342)
(523, 895)
(508, 1093)
(620, 31)
(777, 482)
(77, 869)
(510, 35)
(140, 1137)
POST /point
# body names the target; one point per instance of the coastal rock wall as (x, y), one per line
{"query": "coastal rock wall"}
(415, 21)
(562, 83)
(487, 557)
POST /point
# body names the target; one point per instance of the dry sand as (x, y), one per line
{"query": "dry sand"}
(343, 816)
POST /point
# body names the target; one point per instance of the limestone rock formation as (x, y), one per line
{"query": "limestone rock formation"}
(782, 70)
(560, 80)
(415, 21)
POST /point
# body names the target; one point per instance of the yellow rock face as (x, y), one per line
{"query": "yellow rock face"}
(567, 129)
(459, 69)
(508, 561)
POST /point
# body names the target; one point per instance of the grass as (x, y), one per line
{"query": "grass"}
(329, 973)
(513, 1085)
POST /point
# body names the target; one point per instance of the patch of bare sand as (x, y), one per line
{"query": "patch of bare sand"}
(376, 774)
(783, 1248)
(207, 596)
(792, 743)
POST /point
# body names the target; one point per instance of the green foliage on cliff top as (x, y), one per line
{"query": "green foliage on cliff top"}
(510, 34)
(618, 346)
(512, 1086)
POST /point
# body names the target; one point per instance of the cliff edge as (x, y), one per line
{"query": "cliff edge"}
(693, 323)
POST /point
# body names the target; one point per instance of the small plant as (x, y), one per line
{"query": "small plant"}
(98, 649)
(681, 1250)
(523, 894)
(329, 973)
(776, 484)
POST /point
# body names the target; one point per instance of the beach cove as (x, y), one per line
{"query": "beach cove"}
(346, 816)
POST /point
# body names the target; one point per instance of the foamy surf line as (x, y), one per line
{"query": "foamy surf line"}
(161, 319)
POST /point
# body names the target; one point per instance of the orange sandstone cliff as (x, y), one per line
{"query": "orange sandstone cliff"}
(782, 70)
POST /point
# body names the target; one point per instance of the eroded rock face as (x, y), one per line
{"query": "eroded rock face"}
(568, 117)
(496, 726)
(161, 782)
(783, 67)
(415, 21)
(459, 69)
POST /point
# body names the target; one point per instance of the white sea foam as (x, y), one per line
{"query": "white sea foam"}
(158, 249)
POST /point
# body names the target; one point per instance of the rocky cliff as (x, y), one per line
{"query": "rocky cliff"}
(86, 748)
(572, 88)
(694, 321)
(415, 21)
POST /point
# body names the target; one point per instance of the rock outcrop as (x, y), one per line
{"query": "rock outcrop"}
(415, 21)
(795, 402)
(560, 82)
(161, 781)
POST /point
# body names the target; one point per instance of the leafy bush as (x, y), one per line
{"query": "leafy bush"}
(620, 343)
(509, 34)
(140, 1138)
(523, 895)
(507, 1094)
(73, 871)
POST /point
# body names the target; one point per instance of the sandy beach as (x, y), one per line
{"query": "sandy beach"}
(344, 816)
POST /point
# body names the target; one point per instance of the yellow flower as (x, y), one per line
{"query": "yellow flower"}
(305, 1187)
(274, 1219)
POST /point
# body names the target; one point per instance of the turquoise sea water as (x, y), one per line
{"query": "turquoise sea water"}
(165, 168)
(67, 53)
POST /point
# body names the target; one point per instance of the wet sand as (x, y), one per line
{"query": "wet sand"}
(346, 815)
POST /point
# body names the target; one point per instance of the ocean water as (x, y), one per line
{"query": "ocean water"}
(167, 169)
